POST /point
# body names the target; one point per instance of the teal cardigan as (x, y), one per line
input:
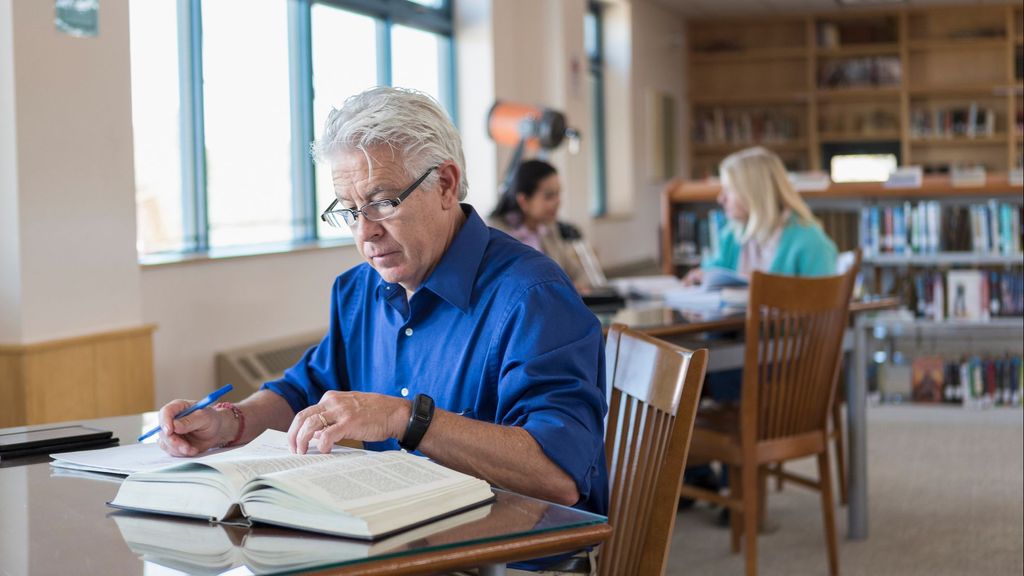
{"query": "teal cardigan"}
(804, 250)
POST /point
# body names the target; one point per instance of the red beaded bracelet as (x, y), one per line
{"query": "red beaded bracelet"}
(239, 417)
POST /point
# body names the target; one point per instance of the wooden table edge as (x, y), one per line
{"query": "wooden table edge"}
(473, 555)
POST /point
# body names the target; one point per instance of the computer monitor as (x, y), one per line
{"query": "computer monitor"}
(860, 161)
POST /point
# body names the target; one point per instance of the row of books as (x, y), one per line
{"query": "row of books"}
(957, 122)
(741, 127)
(860, 72)
(697, 236)
(928, 227)
(965, 295)
(974, 381)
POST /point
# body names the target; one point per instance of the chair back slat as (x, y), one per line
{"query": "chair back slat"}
(654, 390)
(791, 370)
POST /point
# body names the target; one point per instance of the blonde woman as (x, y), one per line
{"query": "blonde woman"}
(770, 227)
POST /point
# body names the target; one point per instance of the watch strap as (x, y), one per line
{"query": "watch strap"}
(419, 421)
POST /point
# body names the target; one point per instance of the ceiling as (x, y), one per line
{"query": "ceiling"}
(707, 8)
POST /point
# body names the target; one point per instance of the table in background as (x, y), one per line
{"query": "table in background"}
(672, 324)
(56, 522)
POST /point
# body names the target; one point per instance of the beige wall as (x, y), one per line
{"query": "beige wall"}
(75, 268)
(646, 51)
(10, 259)
(71, 100)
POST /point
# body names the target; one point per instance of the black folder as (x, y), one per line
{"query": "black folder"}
(14, 444)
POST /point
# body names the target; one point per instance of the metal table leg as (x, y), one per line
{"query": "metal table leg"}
(856, 416)
(493, 570)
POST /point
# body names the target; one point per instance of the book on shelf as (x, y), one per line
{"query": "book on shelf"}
(743, 127)
(930, 295)
(353, 493)
(982, 381)
(966, 295)
(928, 227)
(203, 548)
(928, 374)
(971, 122)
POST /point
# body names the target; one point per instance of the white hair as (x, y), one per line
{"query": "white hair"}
(408, 122)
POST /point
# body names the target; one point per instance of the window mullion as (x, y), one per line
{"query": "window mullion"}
(384, 65)
(300, 72)
(195, 225)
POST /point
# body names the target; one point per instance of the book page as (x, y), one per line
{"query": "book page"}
(363, 480)
(267, 453)
(121, 460)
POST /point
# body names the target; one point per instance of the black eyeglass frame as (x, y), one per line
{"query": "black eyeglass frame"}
(353, 213)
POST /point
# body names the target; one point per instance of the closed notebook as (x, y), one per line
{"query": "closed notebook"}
(353, 493)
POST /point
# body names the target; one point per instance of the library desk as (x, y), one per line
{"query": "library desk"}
(55, 521)
(683, 328)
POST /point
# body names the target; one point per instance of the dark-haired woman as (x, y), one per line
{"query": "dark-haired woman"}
(528, 212)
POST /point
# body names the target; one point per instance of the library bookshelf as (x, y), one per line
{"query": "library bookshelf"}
(973, 244)
(943, 86)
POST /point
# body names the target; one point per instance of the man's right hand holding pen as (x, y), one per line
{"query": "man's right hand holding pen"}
(221, 424)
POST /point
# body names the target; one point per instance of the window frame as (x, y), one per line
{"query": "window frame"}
(595, 68)
(194, 193)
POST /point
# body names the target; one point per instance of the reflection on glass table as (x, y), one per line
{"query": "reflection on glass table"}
(198, 547)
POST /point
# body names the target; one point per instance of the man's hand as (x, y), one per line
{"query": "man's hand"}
(348, 416)
(195, 433)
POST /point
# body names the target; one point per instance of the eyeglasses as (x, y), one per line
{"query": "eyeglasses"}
(375, 211)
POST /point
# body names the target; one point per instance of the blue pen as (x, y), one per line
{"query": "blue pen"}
(197, 406)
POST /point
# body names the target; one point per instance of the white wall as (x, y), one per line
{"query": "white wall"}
(202, 308)
(475, 60)
(75, 189)
(10, 260)
(650, 56)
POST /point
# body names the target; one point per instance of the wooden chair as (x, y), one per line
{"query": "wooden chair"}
(845, 262)
(794, 344)
(654, 390)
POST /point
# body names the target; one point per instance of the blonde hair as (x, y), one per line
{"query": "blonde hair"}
(759, 178)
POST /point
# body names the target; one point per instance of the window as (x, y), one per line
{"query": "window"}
(592, 33)
(228, 94)
(155, 118)
(247, 124)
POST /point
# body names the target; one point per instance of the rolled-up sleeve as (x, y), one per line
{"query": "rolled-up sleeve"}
(552, 382)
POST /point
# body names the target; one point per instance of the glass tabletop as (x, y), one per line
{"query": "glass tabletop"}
(55, 521)
(650, 315)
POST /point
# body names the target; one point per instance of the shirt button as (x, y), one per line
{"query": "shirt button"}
(408, 331)
(405, 392)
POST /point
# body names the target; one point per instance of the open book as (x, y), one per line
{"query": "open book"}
(352, 493)
(716, 278)
(201, 548)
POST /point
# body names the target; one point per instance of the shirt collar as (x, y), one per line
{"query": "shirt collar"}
(454, 276)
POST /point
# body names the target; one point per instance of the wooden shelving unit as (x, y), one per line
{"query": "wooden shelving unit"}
(859, 76)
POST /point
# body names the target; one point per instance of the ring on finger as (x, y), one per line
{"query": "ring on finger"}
(323, 420)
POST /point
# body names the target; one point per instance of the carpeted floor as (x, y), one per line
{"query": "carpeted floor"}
(946, 494)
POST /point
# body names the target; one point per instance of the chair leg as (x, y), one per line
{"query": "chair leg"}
(837, 427)
(779, 480)
(735, 492)
(750, 507)
(824, 470)
(762, 492)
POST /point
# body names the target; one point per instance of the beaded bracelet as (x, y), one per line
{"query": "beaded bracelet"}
(239, 417)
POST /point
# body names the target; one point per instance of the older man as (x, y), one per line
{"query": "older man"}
(453, 339)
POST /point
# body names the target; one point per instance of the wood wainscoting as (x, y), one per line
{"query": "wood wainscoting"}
(94, 376)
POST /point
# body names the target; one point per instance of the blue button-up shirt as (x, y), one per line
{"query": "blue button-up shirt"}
(497, 333)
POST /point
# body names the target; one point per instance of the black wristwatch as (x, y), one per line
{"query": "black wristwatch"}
(419, 421)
